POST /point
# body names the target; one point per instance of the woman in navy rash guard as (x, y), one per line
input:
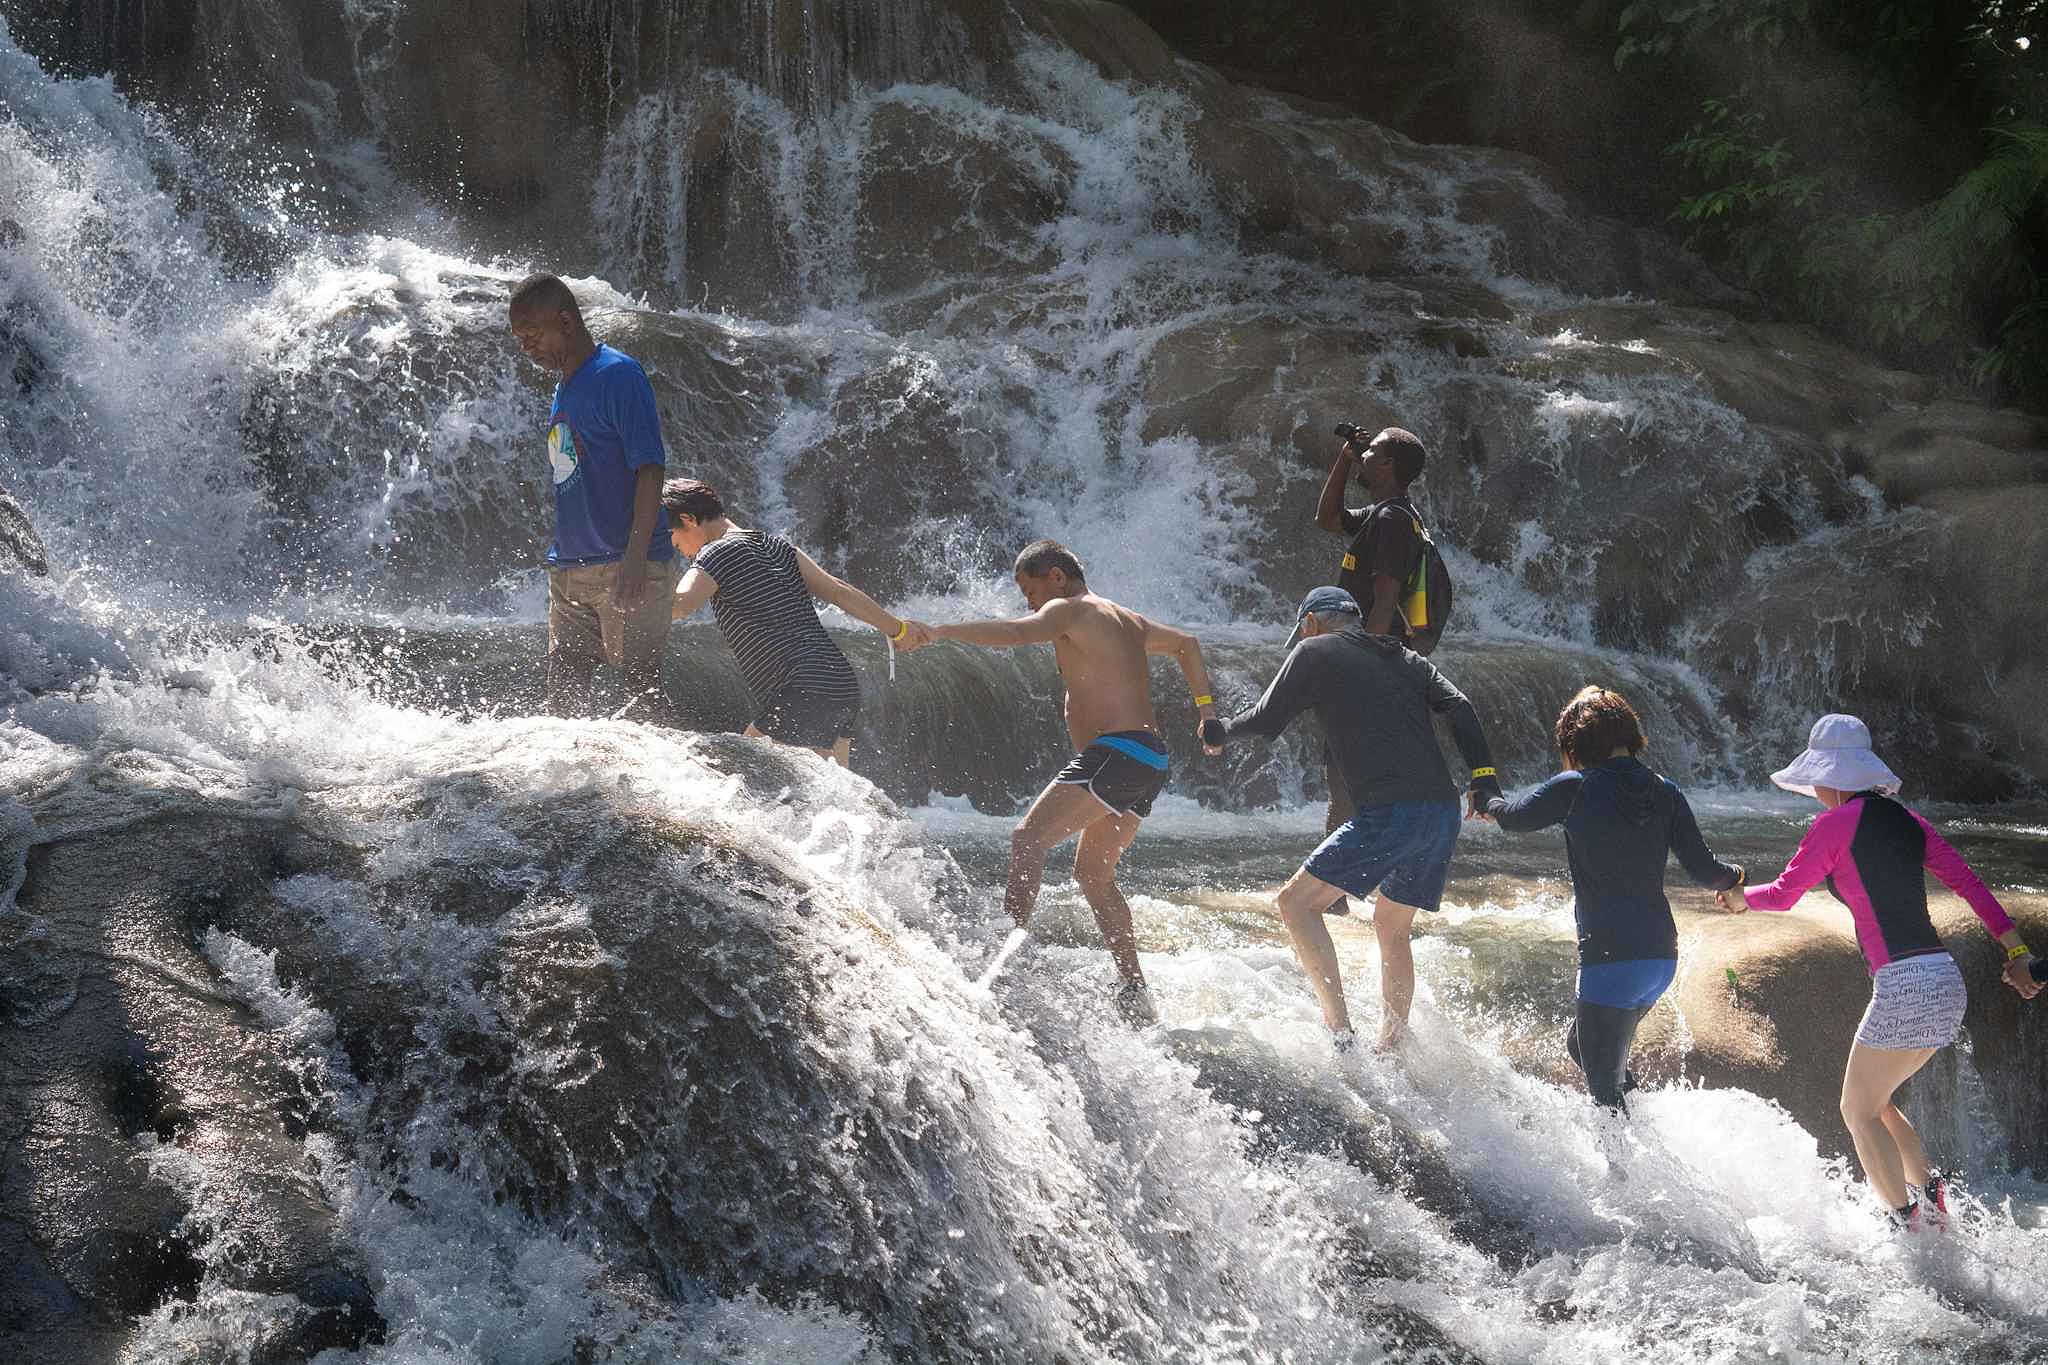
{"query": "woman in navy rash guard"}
(1874, 855)
(1621, 821)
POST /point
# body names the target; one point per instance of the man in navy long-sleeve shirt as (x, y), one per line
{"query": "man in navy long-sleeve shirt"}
(1375, 699)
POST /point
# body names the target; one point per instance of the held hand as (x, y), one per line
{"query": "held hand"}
(916, 635)
(1209, 730)
(2019, 976)
(629, 584)
(1733, 901)
(1481, 794)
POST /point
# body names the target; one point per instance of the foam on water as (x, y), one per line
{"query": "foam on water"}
(1693, 1251)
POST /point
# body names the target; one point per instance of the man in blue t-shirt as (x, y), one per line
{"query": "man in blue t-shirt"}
(611, 567)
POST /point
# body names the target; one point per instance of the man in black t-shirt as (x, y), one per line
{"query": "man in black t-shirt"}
(1381, 555)
(1384, 544)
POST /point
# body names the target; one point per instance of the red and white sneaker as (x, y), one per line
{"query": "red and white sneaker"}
(1933, 1206)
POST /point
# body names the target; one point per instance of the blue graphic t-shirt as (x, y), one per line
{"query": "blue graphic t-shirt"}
(603, 427)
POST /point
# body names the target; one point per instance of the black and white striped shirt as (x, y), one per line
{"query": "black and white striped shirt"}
(769, 620)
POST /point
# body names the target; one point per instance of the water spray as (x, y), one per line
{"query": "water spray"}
(1010, 945)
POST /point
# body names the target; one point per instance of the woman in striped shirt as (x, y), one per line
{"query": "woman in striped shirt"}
(760, 588)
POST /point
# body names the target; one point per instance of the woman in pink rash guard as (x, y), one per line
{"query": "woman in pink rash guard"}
(1874, 854)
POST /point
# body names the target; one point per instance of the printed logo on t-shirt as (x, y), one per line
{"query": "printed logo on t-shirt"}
(562, 452)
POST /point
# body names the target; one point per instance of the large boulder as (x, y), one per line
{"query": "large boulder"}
(1913, 453)
(156, 1129)
(1781, 1027)
(641, 1022)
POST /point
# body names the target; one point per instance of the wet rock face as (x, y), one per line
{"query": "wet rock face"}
(552, 996)
(904, 465)
(155, 1129)
(656, 1033)
(714, 394)
(570, 74)
(20, 547)
(941, 200)
(1783, 1029)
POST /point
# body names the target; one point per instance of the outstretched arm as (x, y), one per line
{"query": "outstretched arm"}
(1944, 862)
(1947, 864)
(1470, 737)
(693, 592)
(1043, 626)
(1187, 652)
(849, 599)
(1818, 853)
(1540, 808)
(1291, 692)
(1694, 856)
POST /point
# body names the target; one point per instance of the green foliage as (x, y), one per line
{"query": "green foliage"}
(1804, 201)
(1657, 28)
(1753, 190)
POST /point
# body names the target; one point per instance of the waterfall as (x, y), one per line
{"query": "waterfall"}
(574, 1039)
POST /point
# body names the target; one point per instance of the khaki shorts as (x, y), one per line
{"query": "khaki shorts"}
(584, 629)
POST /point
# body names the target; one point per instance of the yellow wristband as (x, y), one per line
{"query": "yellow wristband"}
(901, 631)
(1205, 701)
(2017, 950)
(1484, 772)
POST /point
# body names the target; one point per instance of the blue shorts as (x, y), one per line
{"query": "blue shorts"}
(1635, 984)
(1402, 850)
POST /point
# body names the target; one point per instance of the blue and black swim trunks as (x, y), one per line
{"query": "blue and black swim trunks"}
(1123, 771)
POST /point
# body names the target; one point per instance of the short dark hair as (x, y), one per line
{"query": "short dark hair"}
(1041, 557)
(1594, 724)
(543, 293)
(692, 498)
(1405, 448)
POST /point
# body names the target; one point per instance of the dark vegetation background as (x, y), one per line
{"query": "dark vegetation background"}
(1876, 167)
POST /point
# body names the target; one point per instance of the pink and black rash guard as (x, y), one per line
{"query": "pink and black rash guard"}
(1874, 855)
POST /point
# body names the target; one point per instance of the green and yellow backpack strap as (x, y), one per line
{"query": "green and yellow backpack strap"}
(1415, 590)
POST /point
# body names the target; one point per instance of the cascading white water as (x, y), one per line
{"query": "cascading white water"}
(346, 436)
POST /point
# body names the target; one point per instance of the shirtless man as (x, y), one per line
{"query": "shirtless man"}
(1120, 762)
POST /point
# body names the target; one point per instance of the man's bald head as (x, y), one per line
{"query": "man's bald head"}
(543, 294)
(548, 325)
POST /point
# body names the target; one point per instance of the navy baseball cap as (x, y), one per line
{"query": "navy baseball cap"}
(1322, 600)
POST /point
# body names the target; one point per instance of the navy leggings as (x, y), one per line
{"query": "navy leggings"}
(1598, 1040)
(1613, 998)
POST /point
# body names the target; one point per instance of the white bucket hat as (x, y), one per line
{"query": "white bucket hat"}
(1837, 755)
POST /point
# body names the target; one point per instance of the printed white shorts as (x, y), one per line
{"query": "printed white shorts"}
(1914, 1002)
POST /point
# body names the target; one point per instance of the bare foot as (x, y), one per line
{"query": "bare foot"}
(1392, 1031)
(1134, 1003)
